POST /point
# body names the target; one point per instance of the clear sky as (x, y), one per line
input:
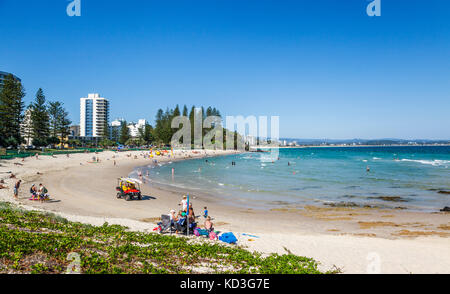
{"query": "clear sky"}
(325, 67)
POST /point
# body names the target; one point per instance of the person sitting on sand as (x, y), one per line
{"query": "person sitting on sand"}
(173, 216)
(191, 213)
(209, 226)
(43, 193)
(33, 192)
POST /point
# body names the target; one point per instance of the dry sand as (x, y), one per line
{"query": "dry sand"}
(354, 240)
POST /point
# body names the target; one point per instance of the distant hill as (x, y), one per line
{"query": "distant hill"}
(384, 141)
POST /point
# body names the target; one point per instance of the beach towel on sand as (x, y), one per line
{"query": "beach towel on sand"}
(228, 238)
(212, 236)
(200, 232)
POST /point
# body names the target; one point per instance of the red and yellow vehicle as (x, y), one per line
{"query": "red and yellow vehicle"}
(128, 189)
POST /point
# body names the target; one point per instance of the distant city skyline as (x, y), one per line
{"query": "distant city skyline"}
(324, 67)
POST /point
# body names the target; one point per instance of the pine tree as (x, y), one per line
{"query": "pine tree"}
(148, 134)
(59, 122)
(54, 112)
(64, 124)
(115, 134)
(124, 133)
(40, 120)
(11, 108)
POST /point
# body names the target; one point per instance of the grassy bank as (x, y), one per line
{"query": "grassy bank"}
(11, 154)
(35, 242)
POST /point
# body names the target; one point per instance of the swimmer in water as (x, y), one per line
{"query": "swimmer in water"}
(367, 169)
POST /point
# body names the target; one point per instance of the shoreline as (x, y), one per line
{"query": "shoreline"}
(349, 146)
(335, 236)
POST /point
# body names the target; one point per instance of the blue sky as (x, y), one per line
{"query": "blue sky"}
(325, 67)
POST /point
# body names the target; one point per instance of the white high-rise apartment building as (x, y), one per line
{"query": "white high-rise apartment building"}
(94, 115)
(132, 127)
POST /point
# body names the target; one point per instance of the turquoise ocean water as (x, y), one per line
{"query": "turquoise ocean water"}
(411, 177)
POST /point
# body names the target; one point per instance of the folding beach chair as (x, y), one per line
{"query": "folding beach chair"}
(181, 225)
(166, 224)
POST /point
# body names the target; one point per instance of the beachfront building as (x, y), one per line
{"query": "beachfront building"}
(94, 116)
(74, 131)
(3, 76)
(133, 127)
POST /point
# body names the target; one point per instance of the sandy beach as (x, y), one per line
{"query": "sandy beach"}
(354, 240)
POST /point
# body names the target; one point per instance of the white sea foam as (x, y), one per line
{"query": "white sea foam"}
(376, 158)
(435, 162)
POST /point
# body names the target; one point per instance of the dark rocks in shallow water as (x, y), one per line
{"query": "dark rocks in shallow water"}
(440, 191)
(391, 198)
(446, 209)
(342, 204)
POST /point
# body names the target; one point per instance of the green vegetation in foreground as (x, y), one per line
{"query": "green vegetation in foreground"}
(35, 242)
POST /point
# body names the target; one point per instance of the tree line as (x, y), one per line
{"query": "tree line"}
(162, 132)
(47, 123)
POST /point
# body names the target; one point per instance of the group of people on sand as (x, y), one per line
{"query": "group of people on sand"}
(178, 219)
(39, 193)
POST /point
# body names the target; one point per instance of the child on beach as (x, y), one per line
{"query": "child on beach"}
(209, 226)
(205, 212)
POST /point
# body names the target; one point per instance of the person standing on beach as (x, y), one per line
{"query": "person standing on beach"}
(183, 203)
(16, 188)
